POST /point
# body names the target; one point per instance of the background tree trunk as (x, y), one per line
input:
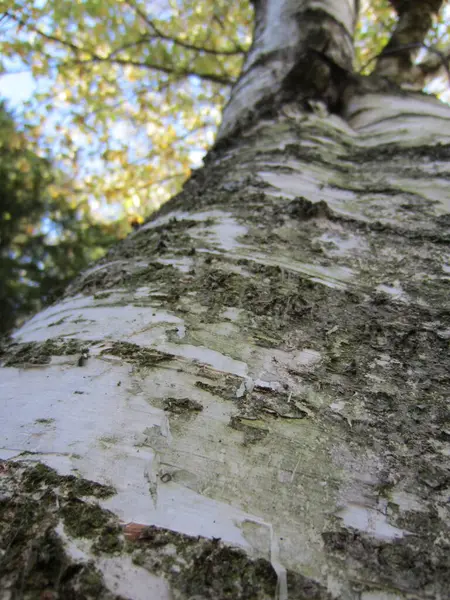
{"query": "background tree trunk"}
(252, 389)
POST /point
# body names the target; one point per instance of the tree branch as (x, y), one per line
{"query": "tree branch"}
(220, 79)
(427, 67)
(47, 36)
(199, 49)
(415, 17)
(237, 51)
(151, 66)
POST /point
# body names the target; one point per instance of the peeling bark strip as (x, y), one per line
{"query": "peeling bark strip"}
(263, 412)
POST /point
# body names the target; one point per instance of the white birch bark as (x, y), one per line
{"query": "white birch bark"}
(264, 363)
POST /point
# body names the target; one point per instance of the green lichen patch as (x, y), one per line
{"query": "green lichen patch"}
(225, 386)
(412, 564)
(271, 295)
(86, 520)
(109, 539)
(203, 568)
(166, 278)
(397, 155)
(102, 295)
(405, 391)
(34, 562)
(40, 353)
(121, 275)
(100, 279)
(267, 340)
(142, 357)
(44, 421)
(263, 402)
(254, 430)
(40, 477)
(109, 440)
(172, 239)
(303, 209)
(182, 405)
(159, 240)
(302, 587)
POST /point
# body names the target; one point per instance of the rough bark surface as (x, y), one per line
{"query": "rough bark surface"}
(248, 397)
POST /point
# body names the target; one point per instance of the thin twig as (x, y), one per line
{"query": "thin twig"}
(237, 51)
(46, 36)
(147, 65)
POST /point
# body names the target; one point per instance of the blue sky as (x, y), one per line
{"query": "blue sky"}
(17, 87)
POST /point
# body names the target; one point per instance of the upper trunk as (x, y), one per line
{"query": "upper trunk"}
(263, 362)
(299, 50)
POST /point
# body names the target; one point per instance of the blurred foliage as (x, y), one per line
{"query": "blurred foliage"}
(130, 91)
(45, 237)
(128, 96)
(377, 19)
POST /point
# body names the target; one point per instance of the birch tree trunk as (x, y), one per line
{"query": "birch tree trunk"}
(248, 397)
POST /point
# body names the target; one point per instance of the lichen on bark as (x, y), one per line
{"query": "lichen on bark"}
(267, 363)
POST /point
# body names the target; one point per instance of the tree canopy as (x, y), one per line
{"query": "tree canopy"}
(133, 90)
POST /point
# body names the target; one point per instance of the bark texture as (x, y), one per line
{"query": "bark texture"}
(248, 397)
